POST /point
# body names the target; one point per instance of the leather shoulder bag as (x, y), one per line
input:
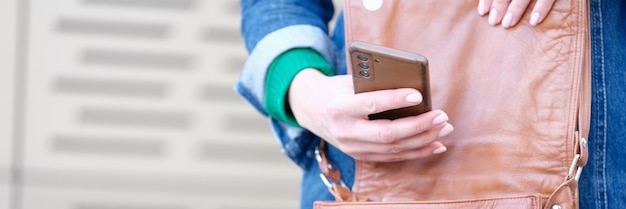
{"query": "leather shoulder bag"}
(519, 99)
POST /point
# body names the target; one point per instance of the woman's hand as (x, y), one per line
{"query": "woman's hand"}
(328, 107)
(509, 12)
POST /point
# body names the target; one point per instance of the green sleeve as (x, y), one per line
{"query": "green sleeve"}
(280, 75)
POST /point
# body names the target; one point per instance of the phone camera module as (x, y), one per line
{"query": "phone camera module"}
(364, 66)
(365, 74)
(362, 57)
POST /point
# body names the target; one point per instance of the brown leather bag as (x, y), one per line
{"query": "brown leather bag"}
(519, 99)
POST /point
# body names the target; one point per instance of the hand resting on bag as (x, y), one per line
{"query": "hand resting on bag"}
(509, 12)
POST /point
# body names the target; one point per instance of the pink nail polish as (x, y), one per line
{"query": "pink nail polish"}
(493, 17)
(508, 19)
(414, 98)
(534, 19)
(481, 7)
(440, 119)
(440, 150)
(446, 130)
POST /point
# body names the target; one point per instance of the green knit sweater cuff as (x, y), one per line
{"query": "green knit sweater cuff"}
(280, 75)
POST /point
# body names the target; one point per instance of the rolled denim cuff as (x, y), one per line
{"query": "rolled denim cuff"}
(251, 84)
(280, 75)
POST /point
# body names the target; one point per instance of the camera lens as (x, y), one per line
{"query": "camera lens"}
(364, 66)
(362, 57)
(364, 74)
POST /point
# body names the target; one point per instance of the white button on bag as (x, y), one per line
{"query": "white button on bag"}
(372, 5)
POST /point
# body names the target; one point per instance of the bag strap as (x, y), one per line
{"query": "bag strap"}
(584, 110)
(331, 176)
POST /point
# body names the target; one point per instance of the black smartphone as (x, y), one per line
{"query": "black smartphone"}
(376, 67)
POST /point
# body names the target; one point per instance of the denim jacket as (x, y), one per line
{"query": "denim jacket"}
(271, 27)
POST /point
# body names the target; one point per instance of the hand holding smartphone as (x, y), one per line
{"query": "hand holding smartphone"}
(377, 67)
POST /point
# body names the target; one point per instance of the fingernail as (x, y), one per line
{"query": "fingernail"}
(534, 19)
(481, 7)
(493, 16)
(446, 130)
(414, 98)
(440, 150)
(508, 18)
(440, 119)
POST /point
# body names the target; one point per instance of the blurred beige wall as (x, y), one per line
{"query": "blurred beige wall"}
(127, 104)
(7, 66)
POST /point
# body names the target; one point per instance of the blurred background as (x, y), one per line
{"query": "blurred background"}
(128, 104)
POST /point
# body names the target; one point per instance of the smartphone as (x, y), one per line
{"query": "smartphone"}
(377, 67)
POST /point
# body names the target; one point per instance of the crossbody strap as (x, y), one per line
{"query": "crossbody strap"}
(331, 176)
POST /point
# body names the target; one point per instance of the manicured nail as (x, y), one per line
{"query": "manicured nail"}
(508, 18)
(493, 16)
(414, 98)
(534, 19)
(481, 7)
(440, 119)
(446, 130)
(440, 150)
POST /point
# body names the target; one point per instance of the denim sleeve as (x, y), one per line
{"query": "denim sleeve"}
(262, 17)
(271, 27)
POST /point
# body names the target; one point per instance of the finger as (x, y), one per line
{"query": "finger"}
(483, 6)
(497, 10)
(367, 103)
(409, 143)
(514, 13)
(540, 11)
(389, 131)
(416, 142)
(426, 151)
